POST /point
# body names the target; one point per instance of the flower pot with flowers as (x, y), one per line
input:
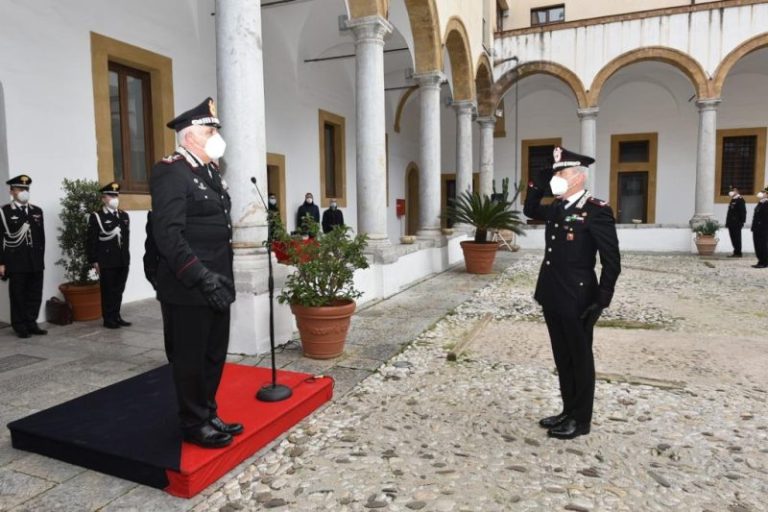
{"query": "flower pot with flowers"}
(705, 238)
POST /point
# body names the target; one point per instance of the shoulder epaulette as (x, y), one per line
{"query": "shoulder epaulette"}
(171, 158)
(598, 202)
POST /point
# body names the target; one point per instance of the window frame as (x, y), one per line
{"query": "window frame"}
(651, 167)
(340, 148)
(759, 170)
(547, 9)
(525, 145)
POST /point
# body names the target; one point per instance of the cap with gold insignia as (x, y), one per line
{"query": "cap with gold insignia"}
(564, 159)
(204, 115)
(111, 189)
(20, 181)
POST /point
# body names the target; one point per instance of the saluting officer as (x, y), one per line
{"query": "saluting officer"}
(192, 231)
(22, 256)
(735, 219)
(578, 227)
(108, 250)
(760, 229)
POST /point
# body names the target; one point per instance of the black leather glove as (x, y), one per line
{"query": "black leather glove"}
(218, 290)
(541, 179)
(590, 316)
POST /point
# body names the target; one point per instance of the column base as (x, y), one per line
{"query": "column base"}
(378, 241)
(429, 234)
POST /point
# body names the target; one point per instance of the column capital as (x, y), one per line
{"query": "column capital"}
(708, 104)
(464, 106)
(370, 29)
(431, 79)
(588, 113)
(489, 121)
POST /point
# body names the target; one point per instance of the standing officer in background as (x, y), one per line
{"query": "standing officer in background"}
(735, 219)
(760, 229)
(332, 217)
(192, 231)
(307, 208)
(578, 227)
(108, 250)
(22, 256)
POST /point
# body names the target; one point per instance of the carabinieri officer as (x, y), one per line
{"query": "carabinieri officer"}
(22, 256)
(108, 250)
(192, 231)
(578, 227)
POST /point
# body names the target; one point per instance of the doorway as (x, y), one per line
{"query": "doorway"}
(633, 177)
(276, 182)
(448, 193)
(411, 199)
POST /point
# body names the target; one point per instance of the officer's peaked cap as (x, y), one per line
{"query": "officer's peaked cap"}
(564, 159)
(112, 189)
(20, 181)
(204, 115)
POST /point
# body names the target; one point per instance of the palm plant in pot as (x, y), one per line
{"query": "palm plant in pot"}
(705, 239)
(484, 214)
(81, 197)
(321, 291)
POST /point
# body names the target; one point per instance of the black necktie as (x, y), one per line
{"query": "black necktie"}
(24, 209)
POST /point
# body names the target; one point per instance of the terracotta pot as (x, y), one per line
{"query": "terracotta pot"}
(85, 300)
(706, 244)
(323, 329)
(479, 257)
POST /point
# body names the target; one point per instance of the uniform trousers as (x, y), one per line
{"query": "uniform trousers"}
(26, 293)
(735, 233)
(112, 287)
(199, 337)
(761, 247)
(572, 351)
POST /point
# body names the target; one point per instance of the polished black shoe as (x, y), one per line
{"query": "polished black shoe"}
(553, 421)
(734, 255)
(207, 436)
(233, 429)
(568, 429)
(37, 330)
(759, 265)
(22, 334)
(123, 323)
(111, 325)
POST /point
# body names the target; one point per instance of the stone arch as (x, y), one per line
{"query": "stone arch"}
(363, 8)
(425, 27)
(457, 45)
(568, 77)
(730, 60)
(401, 106)
(682, 61)
(484, 86)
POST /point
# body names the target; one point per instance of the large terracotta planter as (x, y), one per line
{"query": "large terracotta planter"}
(479, 257)
(706, 244)
(323, 329)
(84, 299)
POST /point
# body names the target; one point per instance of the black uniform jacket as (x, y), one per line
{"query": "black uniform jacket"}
(567, 280)
(191, 226)
(29, 255)
(737, 213)
(760, 217)
(332, 218)
(111, 253)
(306, 209)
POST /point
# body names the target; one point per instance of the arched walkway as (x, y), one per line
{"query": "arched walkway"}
(425, 28)
(457, 45)
(508, 79)
(732, 58)
(484, 87)
(363, 8)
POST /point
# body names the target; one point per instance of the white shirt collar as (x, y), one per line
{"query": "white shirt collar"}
(20, 205)
(573, 198)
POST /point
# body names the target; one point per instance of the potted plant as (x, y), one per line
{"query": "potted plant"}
(705, 239)
(321, 290)
(81, 291)
(484, 214)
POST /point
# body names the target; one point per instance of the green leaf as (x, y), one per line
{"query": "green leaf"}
(81, 197)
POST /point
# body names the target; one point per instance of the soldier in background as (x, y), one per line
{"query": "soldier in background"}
(22, 257)
(332, 217)
(735, 219)
(760, 229)
(108, 250)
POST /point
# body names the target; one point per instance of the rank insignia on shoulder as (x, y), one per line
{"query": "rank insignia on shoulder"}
(202, 187)
(598, 202)
(171, 158)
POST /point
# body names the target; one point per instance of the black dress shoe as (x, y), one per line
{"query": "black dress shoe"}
(22, 334)
(37, 330)
(122, 322)
(207, 436)
(111, 325)
(734, 255)
(553, 421)
(759, 265)
(569, 429)
(233, 429)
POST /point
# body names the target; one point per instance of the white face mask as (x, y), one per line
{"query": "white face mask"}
(113, 203)
(558, 185)
(215, 147)
(23, 196)
(333, 205)
(272, 200)
(760, 195)
(309, 200)
(731, 193)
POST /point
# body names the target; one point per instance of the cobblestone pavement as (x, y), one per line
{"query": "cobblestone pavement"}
(681, 421)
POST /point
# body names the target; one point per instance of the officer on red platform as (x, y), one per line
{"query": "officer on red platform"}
(22, 256)
(192, 231)
(108, 250)
(578, 228)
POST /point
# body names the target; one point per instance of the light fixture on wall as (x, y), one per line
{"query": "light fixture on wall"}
(343, 23)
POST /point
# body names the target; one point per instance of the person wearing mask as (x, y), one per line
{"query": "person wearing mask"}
(735, 219)
(332, 217)
(307, 208)
(578, 227)
(22, 256)
(108, 250)
(192, 231)
(760, 229)
(273, 213)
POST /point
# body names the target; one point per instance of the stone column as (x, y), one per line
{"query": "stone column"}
(429, 169)
(464, 111)
(588, 118)
(487, 126)
(371, 127)
(240, 92)
(705, 160)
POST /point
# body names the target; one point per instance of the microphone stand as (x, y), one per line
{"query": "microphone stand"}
(273, 392)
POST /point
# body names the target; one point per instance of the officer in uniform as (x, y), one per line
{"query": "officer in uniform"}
(192, 231)
(578, 227)
(332, 217)
(307, 209)
(108, 250)
(760, 229)
(22, 256)
(735, 219)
